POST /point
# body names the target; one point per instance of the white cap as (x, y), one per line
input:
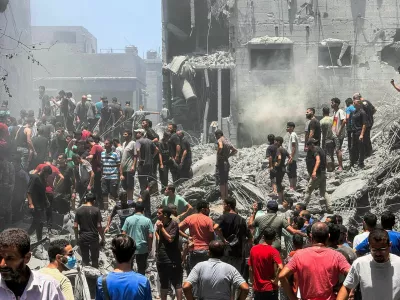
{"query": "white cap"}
(89, 97)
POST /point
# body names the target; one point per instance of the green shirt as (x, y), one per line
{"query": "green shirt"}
(69, 154)
(138, 227)
(179, 201)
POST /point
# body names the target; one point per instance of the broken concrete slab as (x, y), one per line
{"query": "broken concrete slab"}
(349, 189)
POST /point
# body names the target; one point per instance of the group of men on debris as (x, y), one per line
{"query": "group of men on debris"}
(224, 257)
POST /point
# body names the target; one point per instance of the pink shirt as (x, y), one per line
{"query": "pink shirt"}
(201, 228)
(318, 270)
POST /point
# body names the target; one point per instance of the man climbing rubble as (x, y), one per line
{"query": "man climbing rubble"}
(314, 128)
(124, 208)
(225, 150)
(316, 167)
(359, 123)
(338, 127)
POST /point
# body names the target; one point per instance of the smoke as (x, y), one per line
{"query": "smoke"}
(278, 97)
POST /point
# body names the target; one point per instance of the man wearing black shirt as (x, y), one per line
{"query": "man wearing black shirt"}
(314, 128)
(165, 159)
(117, 114)
(154, 137)
(231, 228)
(106, 120)
(370, 110)
(174, 150)
(128, 113)
(280, 167)
(124, 209)
(41, 145)
(271, 156)
(64, 191)
(186, 158)
(169, 261)
(37, 200)
(45, 108)
(146, 150)
(316, 167)
(88, 220)
(359, 122)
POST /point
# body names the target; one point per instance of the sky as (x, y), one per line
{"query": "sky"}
(115, 23)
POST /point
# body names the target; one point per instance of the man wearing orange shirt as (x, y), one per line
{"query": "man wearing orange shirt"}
(201, 233)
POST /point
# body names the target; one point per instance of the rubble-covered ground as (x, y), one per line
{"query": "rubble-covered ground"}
(354, 192)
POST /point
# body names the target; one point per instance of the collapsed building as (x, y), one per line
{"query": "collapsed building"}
(235, 63)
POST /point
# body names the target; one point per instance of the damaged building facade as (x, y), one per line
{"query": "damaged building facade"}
(245, 65)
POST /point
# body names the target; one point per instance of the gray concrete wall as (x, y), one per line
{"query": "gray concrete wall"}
(84, 41)
(154, 85)
(261, 94)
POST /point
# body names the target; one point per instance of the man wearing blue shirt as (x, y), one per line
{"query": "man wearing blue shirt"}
(123, 283)
(388, 219)
(350, 109)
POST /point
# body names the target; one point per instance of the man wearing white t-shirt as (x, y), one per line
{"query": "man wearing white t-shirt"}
(338, 128)
(369, 224)
(292, 147)
(377, 274)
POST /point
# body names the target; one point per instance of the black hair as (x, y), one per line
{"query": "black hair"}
(306, 215)
(171, 188)
(61, 93)
(343, 234)
(279, 139)
(370, 220)
(69, 94)
(139, 206)
(56, 247)
(115, 141)
(128, 131)
(334, 234)
(16, 237)
(379, 235)
(30, 120)
(320, 232)
(349, 101)
(90, 197)
(302, 206)
(96, 138)
(325, 111)
(297, 241)
(271, 138)
(269, 234)
(173, 126)
(308, 230)
(166, 211)
(299, 221)
(312, 109)
(216, 248)
(123, 247)
(42, 87)
(351, 233)
(123, 195)
(46, 170)
(149, 122)
(231, 203)
(114, 99)
(336, 100)
(219, 132)
(388, 219)
(201, 204)
(75, 157)
(290, 124)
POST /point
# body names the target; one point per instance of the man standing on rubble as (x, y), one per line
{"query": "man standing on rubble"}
(88, 220)
(370, 110)
(146, 150)
(359, 123)
(186, 158)
(316, 167)
(292, 148)
(314, 127)
(329, 140)
(279, 166)
(174, 143)
(183, 207)
(338, 127)
(225, 150)
(271, 156)
(201, 233)
(350, 109)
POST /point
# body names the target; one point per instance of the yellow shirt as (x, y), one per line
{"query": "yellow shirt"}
(65, 283)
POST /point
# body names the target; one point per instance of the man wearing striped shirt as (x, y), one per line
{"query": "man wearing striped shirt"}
(109, 181)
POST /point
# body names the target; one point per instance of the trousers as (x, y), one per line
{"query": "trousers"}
(94, 249)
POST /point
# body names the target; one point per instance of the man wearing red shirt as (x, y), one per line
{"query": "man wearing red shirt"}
(264, 262)
(201, 233)
(318, 267)
(95, 159)
(52, 180)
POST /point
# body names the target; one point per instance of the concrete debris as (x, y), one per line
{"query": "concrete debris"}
(176, 63)
(270, 40)
(219, 59)
(333, 42)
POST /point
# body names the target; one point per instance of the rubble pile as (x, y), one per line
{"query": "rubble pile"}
(219, 59)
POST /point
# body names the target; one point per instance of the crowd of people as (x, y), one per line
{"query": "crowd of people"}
(279, 247)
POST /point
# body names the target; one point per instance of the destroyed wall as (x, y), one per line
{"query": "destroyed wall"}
(153, 86)
(266, 89)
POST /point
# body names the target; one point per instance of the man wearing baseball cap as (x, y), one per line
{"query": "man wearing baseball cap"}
(271, 220)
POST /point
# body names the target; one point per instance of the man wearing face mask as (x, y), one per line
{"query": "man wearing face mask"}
(61, 258)
(17, 281)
